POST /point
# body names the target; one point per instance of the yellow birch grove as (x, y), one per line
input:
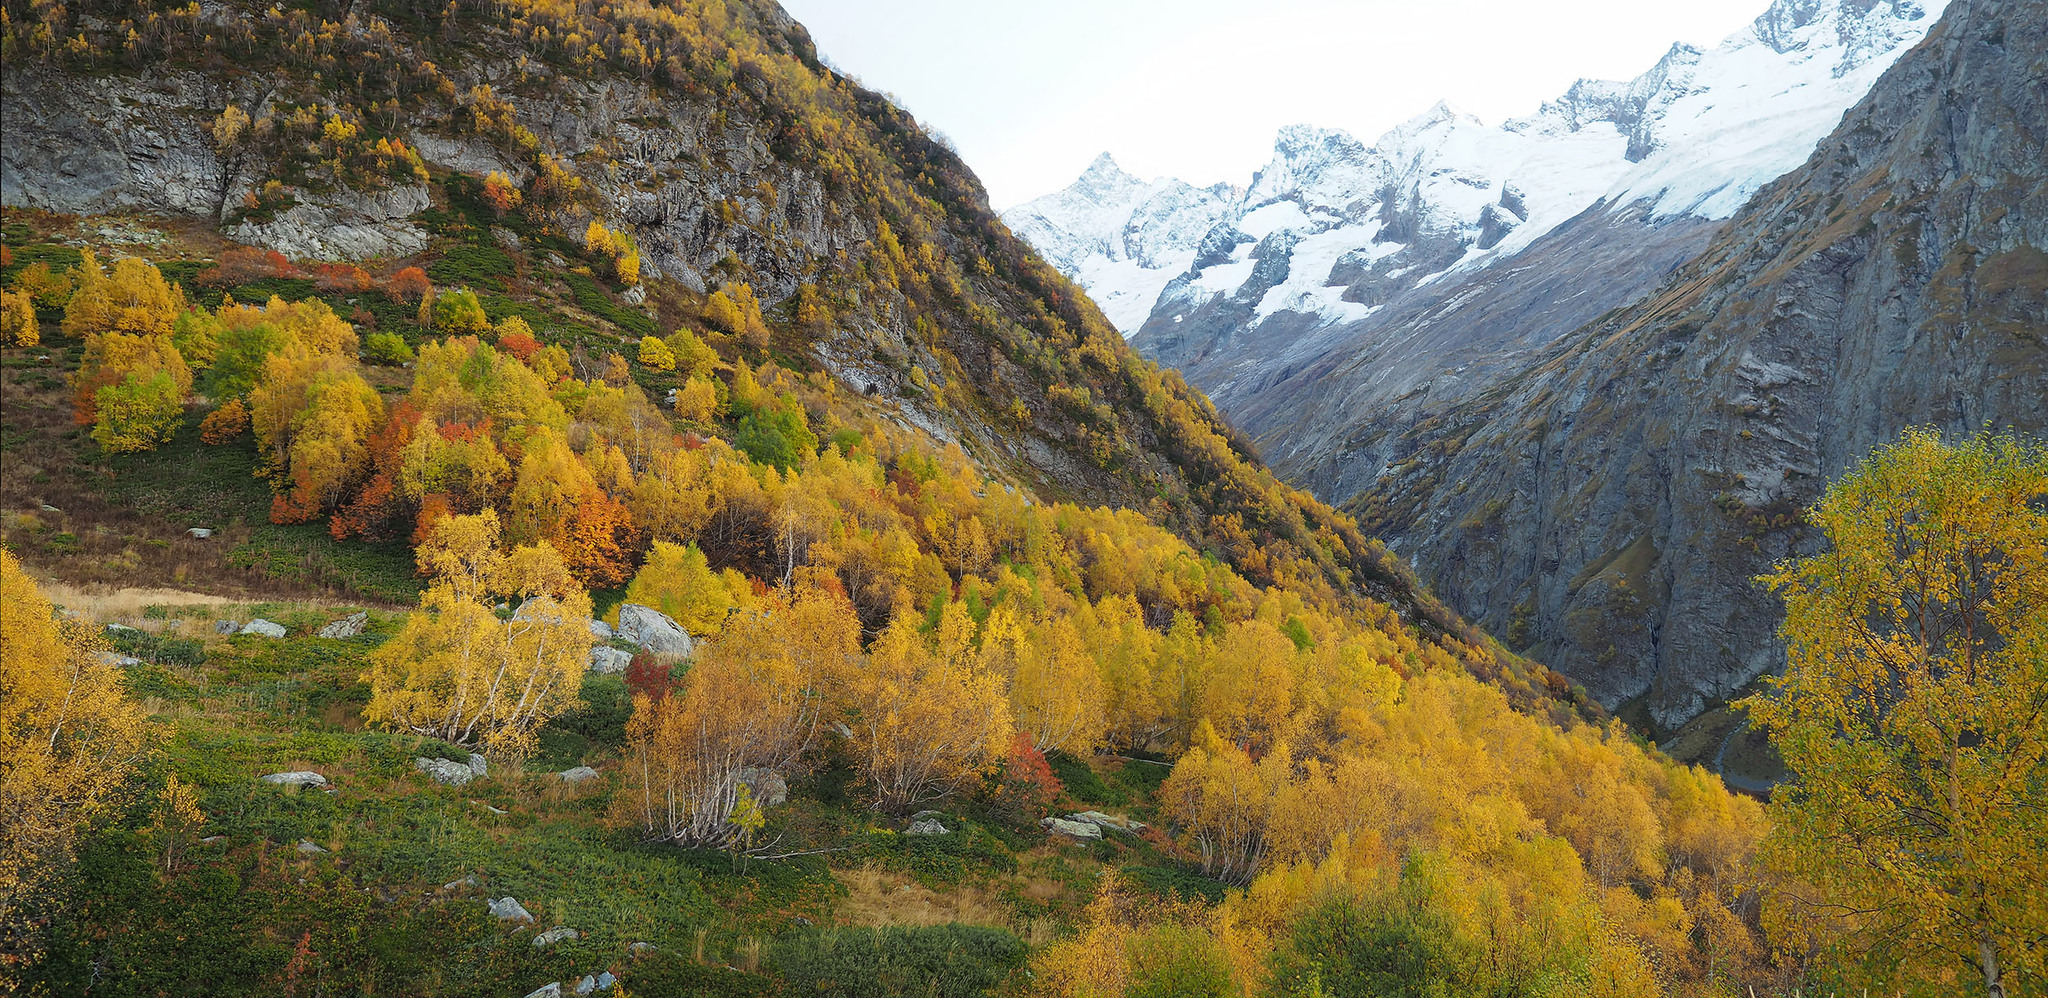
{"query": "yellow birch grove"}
(68, 737)
(1913, 716)
(457, 671)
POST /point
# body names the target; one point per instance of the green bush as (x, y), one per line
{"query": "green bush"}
(1081, 782)
(386, 348)
(670, 975)
(942, 961)
(161, 649)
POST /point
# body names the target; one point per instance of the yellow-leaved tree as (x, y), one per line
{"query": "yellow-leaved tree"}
(1913, 715)
(678, 581)
(750, 704)
(920, 725)
(68, 736)
(460, 673)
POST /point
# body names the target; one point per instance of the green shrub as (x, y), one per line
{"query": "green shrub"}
(670, 975)
(161, 649)
(386, 348)
(1081, 782)
(942, 961)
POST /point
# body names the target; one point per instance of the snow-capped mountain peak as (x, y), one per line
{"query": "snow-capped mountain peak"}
(1694, 135)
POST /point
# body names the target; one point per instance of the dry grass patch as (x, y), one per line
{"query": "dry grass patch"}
(878, 898)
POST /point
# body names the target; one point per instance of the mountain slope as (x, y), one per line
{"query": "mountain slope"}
(1608, 504)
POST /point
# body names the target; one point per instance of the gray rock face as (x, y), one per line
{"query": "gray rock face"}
(510, 910)
(453, 774)
(200, 533)
(550, 990)
(226, 626)
(926, 826)
(263, 628)
(1607, 505)
(578, 774)
(346, 627)
(607, 660)
(479, 765)
(595, 982)
(1070, 828)
(598, 628)
(653, 630)
(769, 787)
(297, 778)
(555, 935)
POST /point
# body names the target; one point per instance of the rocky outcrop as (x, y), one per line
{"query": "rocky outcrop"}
(450, 772)
(653, 630)
(510, 910)
(263, 628)
(347, 627)
(608, 661)
(297, 778)
(1607, 504)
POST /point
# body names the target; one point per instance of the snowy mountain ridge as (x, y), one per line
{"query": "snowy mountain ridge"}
(1331, 228)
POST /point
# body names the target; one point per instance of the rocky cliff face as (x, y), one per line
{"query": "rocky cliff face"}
(1607, 500)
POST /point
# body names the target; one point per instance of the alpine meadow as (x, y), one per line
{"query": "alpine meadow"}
(548, 497)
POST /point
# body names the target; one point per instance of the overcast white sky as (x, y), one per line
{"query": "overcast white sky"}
(1031, 90)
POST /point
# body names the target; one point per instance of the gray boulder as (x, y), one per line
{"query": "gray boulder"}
(479, 765)
(578, 774)
(926, 826)
(200, 533)
(768, 786)
(453, 774)
(555, 935)
(509, 910)
(553, 990)
(600, 630)
(1072, 829)
(596, 982)
(310, 848)
(1109, 823)
(466, 882)
(653, 630)
(263, 628)
(346, 627)
(122, 629)
(226, 626)
(297, 778)
(606, 660)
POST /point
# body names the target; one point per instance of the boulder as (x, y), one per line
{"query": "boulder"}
(578, 774)
(600, 630)
(926, 826)
(263, 628)
(445, 771)
(638, 949)
(555, 935)
(479, 765)
(297, 778)
(602, 981)
(226, 626)
(467, 881)
(653, 630)
(509, 910)
(553, 990)
(200, 533)
(768, 786)
(1109, 822)
(346, 627)
(606, 660)
(117, 659)
(122, 629)
(1072, 829)
(310, 848)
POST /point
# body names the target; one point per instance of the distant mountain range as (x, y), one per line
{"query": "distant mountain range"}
(1369, 313)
